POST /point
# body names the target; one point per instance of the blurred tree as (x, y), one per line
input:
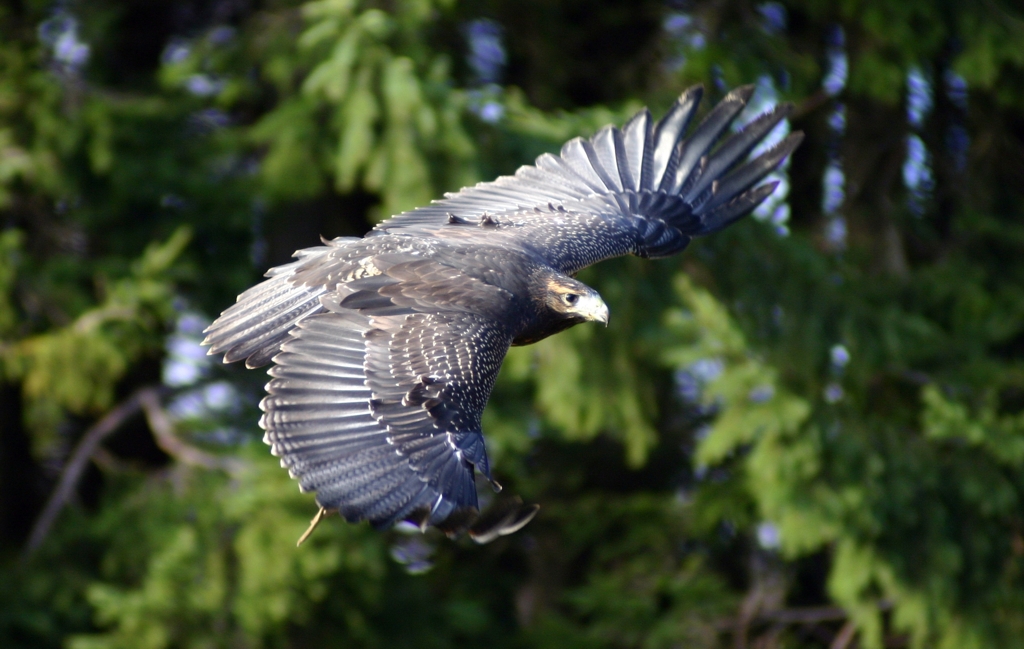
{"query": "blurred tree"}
(804, 432)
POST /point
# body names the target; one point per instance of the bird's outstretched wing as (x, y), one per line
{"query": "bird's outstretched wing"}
(375, 402)
(371, 272)
(645, 189)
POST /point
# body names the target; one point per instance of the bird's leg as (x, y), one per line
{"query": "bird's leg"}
(312, 526)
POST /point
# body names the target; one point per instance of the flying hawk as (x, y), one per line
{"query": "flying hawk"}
(386, 347)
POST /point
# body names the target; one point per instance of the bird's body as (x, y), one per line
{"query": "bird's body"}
(386, 347)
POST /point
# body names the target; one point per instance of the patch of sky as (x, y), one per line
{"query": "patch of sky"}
(206, 401)
(176, 51)
(778, 217)
(687, 386)
(773, 17)
(839, 357)
(685, 36)
(837, 120)
(834, 193)
(833, 179)
(835, 232)
(220, 396)
(60, 34)
(685, 30)
(917, 175)
(486, 103)
(691, 381)
(768, 536)
(835, 80)
(775, 209)
(186, 365)
(186, 361)
(838, 63)
(707, 370)
(203, 85)
(761, 394)
(486, 56)
(919, 97)
(766, 95)
(833, 393)
(492, 112)
(677, 23)
(683, 27)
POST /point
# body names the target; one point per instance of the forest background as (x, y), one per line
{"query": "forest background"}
(806, 431)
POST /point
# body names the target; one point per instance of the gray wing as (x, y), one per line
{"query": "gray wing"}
(377, 391)
(380, 415)
(260, 320)
(645, 189)
(387, 271)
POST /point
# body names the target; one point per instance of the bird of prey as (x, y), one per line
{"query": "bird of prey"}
(386, 347)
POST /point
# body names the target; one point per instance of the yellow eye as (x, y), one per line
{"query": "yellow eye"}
(571, 298)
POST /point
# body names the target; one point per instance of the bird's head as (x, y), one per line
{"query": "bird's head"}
(574, 301)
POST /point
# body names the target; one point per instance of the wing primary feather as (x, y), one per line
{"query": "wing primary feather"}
(594, 159)
(259, 334)
(739, 207)
(737, 147)
(634, 141)
(560, 165)
(306, 442)
(591, 179)
(666, 136)
(575, 155)
(751, 173)
(697, 145)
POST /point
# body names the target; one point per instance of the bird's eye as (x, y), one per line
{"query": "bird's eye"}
(571, 298)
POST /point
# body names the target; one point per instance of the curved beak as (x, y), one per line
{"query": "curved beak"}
(593, 308)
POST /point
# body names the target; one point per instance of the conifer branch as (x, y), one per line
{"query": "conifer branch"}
(169, 442)
(75, 465)
(162, 427)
